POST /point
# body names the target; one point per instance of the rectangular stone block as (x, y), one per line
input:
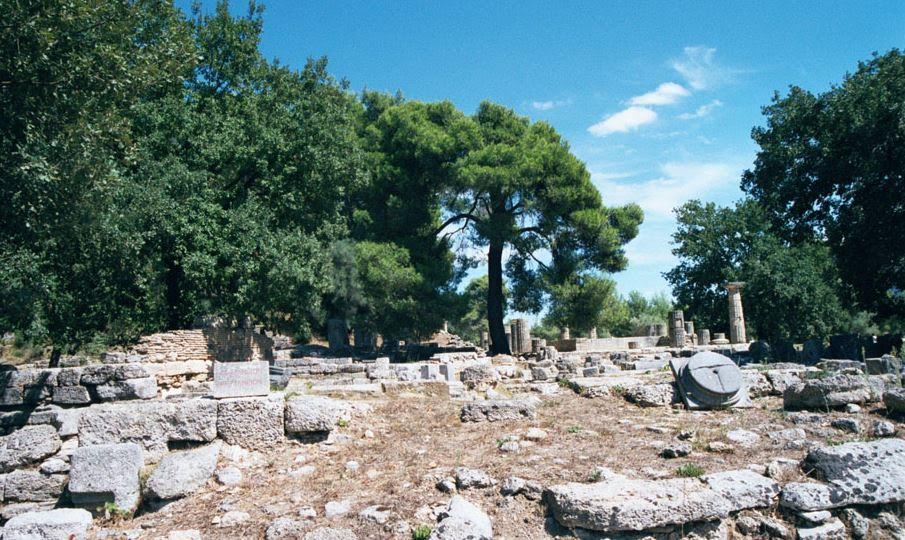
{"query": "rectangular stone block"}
(129, 389)
(241, 379)
(71, 395)
(106, 473)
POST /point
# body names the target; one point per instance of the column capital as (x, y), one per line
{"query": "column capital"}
(734, 285)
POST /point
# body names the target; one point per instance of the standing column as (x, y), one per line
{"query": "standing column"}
(737, 332)
(677, 328)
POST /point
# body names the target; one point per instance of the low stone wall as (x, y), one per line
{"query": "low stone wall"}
(221, 344)
(604, 344)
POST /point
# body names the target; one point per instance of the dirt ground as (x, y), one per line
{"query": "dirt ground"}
(406, 443)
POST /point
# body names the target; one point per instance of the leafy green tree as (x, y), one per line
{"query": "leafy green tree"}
(70, 73)
(588, 301)
(516, 184)
(793, 291)
(474, 321)
(832, 166)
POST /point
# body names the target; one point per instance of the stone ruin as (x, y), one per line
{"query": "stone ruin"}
(81, 439)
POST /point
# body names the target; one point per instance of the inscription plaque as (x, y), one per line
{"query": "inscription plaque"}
(240, 379)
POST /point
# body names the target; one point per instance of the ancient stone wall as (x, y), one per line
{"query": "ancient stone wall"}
(208, 344)
(603, 344)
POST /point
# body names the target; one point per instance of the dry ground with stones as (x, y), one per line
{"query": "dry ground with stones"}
(395, 449)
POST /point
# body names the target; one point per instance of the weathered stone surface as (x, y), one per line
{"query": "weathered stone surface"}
(472, 478)
(28, 445)
(182, 473)
(252, 422)
(743, 437)
(834, 391)
(497, 410)
(229, 476)
(865, 472)
(329, 533)
(150, 424)
(145, 388)
(462, 520)
(60, 524)
(107, 472)
(32, 486)
(833, 530)
(810, 496)
(285, 529)
(308, 414)
(780, 379)
(894, 399)
(621, 504)
(883, 365)
(480, 374)
(71, 395)
(653, 395)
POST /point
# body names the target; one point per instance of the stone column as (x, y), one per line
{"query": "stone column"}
(564, 333)
(337, 334)
(445, 327)
(521, 336)
(737, 332)
(485, 340)
(592, 333)
(677, 328)
(704, 338)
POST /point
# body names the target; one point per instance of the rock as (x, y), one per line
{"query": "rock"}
(251, 422)
(446, 485)
(834, 530)
(544, 373)
(32, 486)
(816, 518)
(809, 496)
(186, 534)
(106, 473)
(54, 466)
(852, 408)
(675, 450)
(472, 478)
(780, 379)
(312, 414)
(379, 515)
(858, 524)
(783, 469)
(652, 395)
(883, 365)
(499, 410)
(183, 473)
(512, 485)
(882, 428)
(150, 424)
(832, 392)
(864, 472)
(59, 524)
(535, 434)
(850, 425)
(28, 445)
(328, 533)
(462, 520)
(894, 399)
(233, 518)
(145, 388)
(71, 395)
(622, 504)
(229, 476)
(719, 447)
(474, 376)
(285, 529)
(743, 437)
(337, 508)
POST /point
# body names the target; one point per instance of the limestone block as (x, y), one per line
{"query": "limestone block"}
(490, 410)
(653, 395)
(145, 388)
(621, 504)
(32, 486)
(28, 445)
(306, 414)
(69, 376)
(105, 473)
(462, 519)
(894, 399)
(182, 473)
(832, 392)
(59, 524)
(252, 422)
(71, 395)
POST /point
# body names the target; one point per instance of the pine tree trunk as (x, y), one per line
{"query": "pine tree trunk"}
(498, 342)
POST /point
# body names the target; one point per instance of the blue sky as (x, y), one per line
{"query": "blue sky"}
(657, 98)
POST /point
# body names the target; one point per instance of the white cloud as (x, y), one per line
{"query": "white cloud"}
(702, 111)
(700, 70)
(665, 94)
(623, 121)
(547, 105)
(678, 183)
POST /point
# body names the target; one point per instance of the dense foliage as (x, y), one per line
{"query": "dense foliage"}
(792, 291)
(157, 168)
(831, 168)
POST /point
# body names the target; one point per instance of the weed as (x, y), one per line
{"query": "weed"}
(564, 383)
(342, 422)
(618, 390)
(421, 532)
(111, 511)
(690, 470)
(574, 429)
